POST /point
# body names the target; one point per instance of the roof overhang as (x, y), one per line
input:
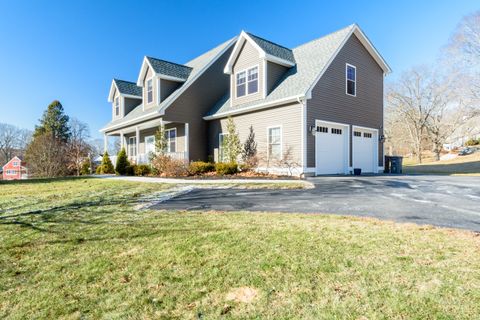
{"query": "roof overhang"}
(114, 88)
(263, 55)
(368, 46)
(143, 71)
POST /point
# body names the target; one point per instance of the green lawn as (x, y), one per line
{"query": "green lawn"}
(77, 249)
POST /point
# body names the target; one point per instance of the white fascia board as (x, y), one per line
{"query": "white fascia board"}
(279, 61)
(143, 117)
(143, 69)
(113, 86)
(130, 96)
(254, 107)
(236, 50)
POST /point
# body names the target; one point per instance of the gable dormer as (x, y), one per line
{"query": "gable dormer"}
(255, 66)
(159, 78)
(124, 96)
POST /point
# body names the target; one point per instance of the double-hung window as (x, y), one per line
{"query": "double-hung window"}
(351, 81)
(275, 143)
(117, 106)
(171, 137)
(241, 86)
(150, 91)
(222, 157)
(132, 146)
(252, 80)
(247, 82)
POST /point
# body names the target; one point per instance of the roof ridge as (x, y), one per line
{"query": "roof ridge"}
(279, 45)
(115, 79)
(327, 35)
(163, 60)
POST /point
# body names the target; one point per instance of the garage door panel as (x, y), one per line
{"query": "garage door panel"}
(331, 148)
(364, 144)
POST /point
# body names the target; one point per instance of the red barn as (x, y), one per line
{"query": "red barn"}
(15, 169)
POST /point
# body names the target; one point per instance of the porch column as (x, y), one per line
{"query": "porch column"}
(137, 140)
(187, 143)
(105, 142)
(121, 140)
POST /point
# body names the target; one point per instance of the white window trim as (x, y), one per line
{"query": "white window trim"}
(115, 106)
(11, 172)
(168, 139)
(145, 142)
(146, 91)
(354, 82)
(130, 146)
(246, 81)
(281, 141)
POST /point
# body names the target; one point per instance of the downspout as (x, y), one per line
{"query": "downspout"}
(303, 102)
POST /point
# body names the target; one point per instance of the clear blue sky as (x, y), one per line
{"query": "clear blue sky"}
(70, 50)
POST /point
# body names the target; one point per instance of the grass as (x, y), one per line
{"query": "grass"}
(469, 164)
(77, 249)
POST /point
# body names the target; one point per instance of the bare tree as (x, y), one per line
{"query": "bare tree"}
(13, 141)
(47, 157)
(413, 99)
(78, 148)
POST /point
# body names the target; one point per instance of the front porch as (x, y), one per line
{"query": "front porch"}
(139, 140)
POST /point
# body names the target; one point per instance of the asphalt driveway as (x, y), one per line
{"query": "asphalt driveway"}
(446, 201)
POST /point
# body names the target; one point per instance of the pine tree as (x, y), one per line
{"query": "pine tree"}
(55, 122)
(249, 147)
(122, 162)
(106, 167)
(231, 142)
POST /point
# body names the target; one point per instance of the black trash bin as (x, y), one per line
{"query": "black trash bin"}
(386, 165)
(396, 164)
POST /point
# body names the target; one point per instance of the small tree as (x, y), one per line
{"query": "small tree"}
(160, 141)
(46, 157)
(122, 162)
(106, 167)
(231, 142)
(249, 151)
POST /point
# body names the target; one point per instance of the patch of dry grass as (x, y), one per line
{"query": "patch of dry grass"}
(77, 249)
(469, 164)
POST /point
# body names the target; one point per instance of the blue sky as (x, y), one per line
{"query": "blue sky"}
(70, 50)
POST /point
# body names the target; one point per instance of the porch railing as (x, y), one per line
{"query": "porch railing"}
(144, 158)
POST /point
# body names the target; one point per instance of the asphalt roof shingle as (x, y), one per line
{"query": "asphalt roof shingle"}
(273, 48)
(170, 68)
(127, 87)
(311, 58)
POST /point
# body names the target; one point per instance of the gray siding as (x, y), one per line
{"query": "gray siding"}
(331, 103)
(247, 58)
(274, 73)
(289, 117)
(196, 101)
(167, 87)
(130, 104)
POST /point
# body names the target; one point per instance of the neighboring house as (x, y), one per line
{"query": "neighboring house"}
(468, 130)
(15, 170)
(322, 101)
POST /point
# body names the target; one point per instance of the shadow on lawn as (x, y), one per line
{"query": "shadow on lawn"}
(44, 180)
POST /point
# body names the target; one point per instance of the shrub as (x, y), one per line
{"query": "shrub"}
(142, 170)
(169, 167)
(130, 170)
(106, 167)
(200, 167)
(122, 162)
(85, 169)
(471, 142)
(223, 168)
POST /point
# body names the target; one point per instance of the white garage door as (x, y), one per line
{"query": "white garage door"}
(331, 148)
(364, 154)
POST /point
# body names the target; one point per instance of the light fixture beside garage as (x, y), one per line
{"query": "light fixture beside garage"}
(313, 128)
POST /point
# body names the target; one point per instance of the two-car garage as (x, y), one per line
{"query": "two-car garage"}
(338, 145)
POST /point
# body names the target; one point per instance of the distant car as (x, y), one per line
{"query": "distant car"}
(466, 151)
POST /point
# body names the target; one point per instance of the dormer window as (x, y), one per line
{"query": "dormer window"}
(241, 84)
(253, 80)
(247, 82)
(117, 106)
(149, 91)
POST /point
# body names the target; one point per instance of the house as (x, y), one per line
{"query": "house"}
(15, 169)
(321, 101)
